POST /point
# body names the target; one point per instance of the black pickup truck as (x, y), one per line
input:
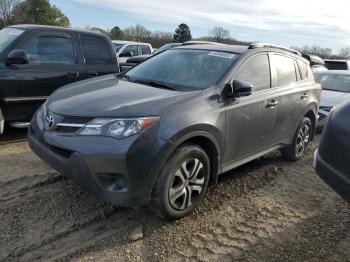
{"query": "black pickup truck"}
(35, 60)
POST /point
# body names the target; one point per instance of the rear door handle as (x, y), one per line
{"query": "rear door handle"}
(73, 75)
(304, 96)
(92, 74)
(272, 104)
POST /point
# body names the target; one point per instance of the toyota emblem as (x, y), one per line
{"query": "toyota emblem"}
(49, 122)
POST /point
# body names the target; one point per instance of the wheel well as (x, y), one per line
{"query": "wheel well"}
(311, 115)
(211, 150)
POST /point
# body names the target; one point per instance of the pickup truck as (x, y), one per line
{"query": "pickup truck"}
(36, 60)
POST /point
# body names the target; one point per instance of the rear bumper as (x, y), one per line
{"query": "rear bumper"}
(335, 179)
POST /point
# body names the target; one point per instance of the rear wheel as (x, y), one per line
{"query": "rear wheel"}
(182, 183)
(300, 142)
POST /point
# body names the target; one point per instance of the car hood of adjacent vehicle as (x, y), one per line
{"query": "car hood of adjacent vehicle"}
(109, 96)
(333, 98)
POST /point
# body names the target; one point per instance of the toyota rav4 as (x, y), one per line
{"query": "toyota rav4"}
(163, 131)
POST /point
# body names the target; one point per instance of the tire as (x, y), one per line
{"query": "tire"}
(301, 140)
(182, 183)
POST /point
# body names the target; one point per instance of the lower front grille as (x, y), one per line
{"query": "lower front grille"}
(58, 150)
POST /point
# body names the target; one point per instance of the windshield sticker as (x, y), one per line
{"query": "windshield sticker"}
(222, 54)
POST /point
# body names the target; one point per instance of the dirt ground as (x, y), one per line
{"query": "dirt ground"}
(267, 210)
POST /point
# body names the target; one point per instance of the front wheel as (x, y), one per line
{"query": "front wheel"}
(300, 142)
(182, 183)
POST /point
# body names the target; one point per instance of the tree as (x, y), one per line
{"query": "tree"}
(182, 34)
(40, 12)
(137, 33)
(116, 33)
(219, 33)
(344, 53)
(6, 10)
(99, 30)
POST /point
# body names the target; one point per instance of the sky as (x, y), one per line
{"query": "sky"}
(289, 23)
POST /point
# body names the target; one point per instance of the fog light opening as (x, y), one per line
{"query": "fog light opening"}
(114, 182)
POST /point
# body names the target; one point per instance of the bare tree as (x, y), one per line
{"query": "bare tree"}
(137, 33)
(219, 33)
(6, 10)
(344, 53)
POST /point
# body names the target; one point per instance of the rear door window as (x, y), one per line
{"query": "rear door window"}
(96, 50)
(285, 70)
(145, 50)
(50, 49)
(257, 72)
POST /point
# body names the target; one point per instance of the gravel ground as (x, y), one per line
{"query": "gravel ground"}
(267, 210)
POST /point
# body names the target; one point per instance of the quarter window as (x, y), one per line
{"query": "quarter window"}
(285, 70)
(257, 72)
(303, 70)
(96, 50)
(50, 49)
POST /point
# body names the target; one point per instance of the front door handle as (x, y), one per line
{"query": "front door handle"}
(304, 96)
(92, 74)
(272, 104)
(73, 75)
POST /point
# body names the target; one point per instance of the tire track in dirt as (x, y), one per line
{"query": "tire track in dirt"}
(268, 210)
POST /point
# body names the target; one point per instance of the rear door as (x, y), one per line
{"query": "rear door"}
(291, 83)
(53, 62)
(99, 58)
(250, 121)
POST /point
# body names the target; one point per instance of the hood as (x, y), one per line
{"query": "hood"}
(333, 98)
(109, 96)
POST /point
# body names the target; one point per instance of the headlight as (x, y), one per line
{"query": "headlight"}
(117, 128)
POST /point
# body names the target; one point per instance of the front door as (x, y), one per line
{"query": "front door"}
(250, 121)
(53, 62)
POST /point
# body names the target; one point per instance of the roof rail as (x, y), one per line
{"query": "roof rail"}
(260, 45)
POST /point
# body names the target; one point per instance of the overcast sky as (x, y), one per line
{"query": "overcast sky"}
(290, 23)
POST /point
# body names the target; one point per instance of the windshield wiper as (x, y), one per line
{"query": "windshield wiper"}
(155, 84)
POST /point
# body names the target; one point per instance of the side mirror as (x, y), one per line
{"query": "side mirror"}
(126, 54)
(242, 88)
(237, 89)
(17, 57)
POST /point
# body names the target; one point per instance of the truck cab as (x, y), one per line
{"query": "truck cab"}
(36, 60)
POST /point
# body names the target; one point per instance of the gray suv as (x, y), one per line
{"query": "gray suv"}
(163, 131)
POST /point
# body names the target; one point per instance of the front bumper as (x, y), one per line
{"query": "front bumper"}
(335, 179)
(121, 172)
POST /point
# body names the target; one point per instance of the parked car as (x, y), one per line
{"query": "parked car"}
(337, 64)
(35, 60)
(160, 133)
(125, 49)
(331, 160)
(336, 90)
(133, 61)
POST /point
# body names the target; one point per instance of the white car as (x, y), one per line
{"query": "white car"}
(335, 91)
(126, 49)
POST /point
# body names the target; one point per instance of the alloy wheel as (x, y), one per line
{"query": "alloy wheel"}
(187, 184)
(303, 140)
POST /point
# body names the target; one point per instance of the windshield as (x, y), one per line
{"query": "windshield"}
(117, 47)
(183, 70)
(7, 36)
(340, 83)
